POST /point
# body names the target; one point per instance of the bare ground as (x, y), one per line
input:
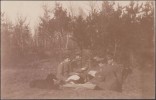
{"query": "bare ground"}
(15, 84)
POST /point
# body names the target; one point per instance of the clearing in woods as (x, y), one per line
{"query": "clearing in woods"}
(15, 83)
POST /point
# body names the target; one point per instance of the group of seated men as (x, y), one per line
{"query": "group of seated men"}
(106, 74)
(93, 73)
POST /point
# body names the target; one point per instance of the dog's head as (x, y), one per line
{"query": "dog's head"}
(51, 77)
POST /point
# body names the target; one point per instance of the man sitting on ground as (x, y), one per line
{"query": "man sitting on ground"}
(110, 77)
(63, 70)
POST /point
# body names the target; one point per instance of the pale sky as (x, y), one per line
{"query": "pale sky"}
(32, 9)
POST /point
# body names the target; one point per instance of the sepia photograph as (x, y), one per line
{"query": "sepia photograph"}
(78, 49)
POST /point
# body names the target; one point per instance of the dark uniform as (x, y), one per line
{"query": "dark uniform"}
(109, 78)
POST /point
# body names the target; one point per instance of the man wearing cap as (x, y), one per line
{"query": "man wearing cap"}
(63, 70)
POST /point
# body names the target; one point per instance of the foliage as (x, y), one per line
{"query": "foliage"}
(118, 30)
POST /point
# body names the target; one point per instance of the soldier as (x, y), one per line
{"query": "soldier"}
(110, 77)
(76, 63)
(63, 70)
(68, 66)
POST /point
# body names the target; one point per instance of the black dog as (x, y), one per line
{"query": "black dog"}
(48, 83)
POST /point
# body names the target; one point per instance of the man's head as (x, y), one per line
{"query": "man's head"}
(51, 77)
(109, 59)
(100, 64)
(67, 60)
(77, 57)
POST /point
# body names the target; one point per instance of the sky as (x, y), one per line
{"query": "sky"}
(33, 9)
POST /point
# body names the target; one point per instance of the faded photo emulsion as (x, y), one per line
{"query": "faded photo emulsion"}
(78, 49)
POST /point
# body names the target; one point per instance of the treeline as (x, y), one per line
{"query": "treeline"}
(125, 32)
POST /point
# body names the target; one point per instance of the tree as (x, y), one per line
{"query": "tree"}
(79, 33)
(92, 5)
(43, 28)
(6, 34)
(62, 26)
(21, 36)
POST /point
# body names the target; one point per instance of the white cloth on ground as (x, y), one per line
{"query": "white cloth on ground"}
(73, 77)
(92, 73)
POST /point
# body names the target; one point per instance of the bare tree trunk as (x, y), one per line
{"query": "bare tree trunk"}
(61, 37)
(132, 59)
(115, 47)
(67, 41)
(60, 47)
(81, 56)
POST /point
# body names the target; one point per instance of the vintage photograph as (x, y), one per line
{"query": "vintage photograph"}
(78, 49)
